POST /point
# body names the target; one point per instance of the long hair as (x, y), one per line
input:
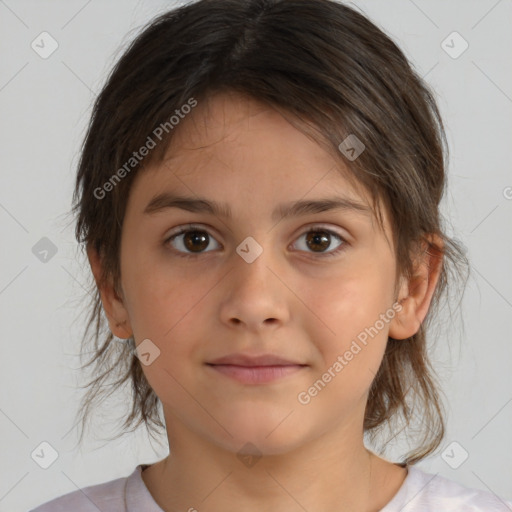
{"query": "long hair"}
(330, 71)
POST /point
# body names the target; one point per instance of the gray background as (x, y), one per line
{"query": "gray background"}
(44, 108)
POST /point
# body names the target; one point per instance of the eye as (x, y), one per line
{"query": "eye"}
(190, 238)
(319, 238)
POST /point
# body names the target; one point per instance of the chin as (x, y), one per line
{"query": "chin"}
(262, 437)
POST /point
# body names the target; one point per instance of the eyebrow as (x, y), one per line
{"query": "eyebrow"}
(165, 200)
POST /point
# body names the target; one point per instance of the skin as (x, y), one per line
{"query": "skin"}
(289, 301)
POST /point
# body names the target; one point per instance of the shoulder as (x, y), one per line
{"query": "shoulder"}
(422, 492)
(105, 496)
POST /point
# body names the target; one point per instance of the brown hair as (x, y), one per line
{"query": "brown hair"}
(328, 69)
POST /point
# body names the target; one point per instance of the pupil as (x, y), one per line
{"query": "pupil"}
(317, 239)
(194, 237)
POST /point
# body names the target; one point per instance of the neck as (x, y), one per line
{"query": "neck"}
(323, 474)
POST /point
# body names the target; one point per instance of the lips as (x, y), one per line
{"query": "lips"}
(255, 370)
(250, 361)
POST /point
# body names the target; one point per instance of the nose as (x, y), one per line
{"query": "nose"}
(254, 295)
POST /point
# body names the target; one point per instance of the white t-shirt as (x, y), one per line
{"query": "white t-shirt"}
(420, 492)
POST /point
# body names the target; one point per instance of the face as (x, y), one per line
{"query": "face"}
(303, 287)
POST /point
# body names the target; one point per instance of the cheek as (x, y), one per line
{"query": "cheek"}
(347, 317)
(167, 312)
(159, 295)
(163, 312)
(357, 297)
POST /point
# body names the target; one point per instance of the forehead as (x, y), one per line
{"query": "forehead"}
(230, 133)
(246, 133)
(240, 151)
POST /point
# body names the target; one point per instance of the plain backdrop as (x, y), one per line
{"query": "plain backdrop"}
(44, 108)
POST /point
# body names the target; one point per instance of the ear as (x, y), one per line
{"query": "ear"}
(416, 294)
(117, 315)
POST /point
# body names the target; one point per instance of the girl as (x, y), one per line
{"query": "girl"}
(258, 195)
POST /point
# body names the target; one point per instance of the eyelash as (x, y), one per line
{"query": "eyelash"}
(192, 228)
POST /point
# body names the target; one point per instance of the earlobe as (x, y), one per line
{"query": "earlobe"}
(405, 322)
(115, 311)
(416, 295)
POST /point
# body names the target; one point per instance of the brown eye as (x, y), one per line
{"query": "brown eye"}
(195, 240)
(318, 240)
(190, 241)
